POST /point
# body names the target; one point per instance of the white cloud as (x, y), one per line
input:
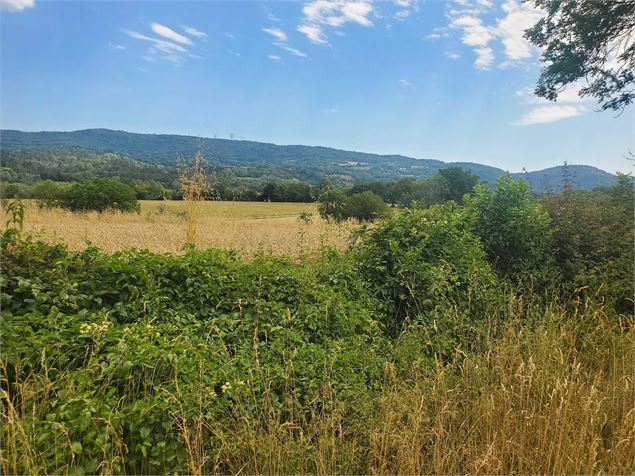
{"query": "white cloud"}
(313, 33)
(512, 27)
(274, 57)
(484, 57)
(161, 45)
(116, 47)
(571, 95)
(170, 45)
(474, 32)
(170, 34)
(569, 104)
(229, 35)
(546, 114)
(333, 13)
(277, 33)
(16, 5)
(293, 51)
(485, 3)
(405, 83)
(193, 32)
(477, 35)
(453, 56)
(406, 7)
(508, 29)
(280, 40)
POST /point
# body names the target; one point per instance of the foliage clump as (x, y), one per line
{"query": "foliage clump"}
(422, 263)
(514, 229)
(363, 206)
(100, 195)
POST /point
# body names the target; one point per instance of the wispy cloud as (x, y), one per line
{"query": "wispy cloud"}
(545, 114)
(170, 34)
(280, 40)
(274, 57)
(16, 5)
(313, 33)
(508, 29)
(405, 8)
(169, 45)
(293, 51)
(193, 32)
(512, 26)
(570, 104)
(277, 33)
(478, 36)
(319, 14)
(116, 47)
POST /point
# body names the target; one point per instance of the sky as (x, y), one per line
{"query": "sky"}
(448, 80)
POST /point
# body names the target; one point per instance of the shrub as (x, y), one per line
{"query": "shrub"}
(422, 263)
(364, 206)
(594, 240)
(100, 195)
(49, 193)
(332, 204)
(514, 229)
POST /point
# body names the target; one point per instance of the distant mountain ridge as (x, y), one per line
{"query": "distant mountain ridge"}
(302, 162)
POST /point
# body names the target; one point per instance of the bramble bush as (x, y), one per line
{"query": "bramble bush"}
(423, 264)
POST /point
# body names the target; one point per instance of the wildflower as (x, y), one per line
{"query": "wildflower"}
(85, 329)
(226, 387)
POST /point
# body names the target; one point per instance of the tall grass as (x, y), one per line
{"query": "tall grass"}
(551, 394)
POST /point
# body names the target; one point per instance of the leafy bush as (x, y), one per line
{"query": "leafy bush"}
(332, 204)
(364, 206)
(48, 193)
(422, 263)
(100, 195)
(594, 240)
(514, 229)
(140, 336)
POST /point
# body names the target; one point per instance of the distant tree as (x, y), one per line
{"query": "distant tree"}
(269, 192)
(100, 195)
(365, 206)
(460, 182)
(589, 40)
(332, 204)
(48, 193)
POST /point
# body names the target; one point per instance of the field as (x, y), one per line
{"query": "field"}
(247, 227)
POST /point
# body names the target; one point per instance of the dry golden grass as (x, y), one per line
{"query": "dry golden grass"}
(161, 226)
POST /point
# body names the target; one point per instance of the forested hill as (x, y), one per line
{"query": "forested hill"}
(307, 163)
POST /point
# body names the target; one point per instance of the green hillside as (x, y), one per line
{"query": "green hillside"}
(247, 159)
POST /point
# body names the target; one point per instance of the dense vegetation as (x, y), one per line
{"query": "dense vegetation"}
(241, 163)
(485, 337)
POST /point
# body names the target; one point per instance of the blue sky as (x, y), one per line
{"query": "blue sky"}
(430, 79)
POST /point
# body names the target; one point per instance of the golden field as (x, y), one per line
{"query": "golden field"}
(247, 227)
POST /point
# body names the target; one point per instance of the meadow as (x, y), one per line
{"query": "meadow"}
(247, 227)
